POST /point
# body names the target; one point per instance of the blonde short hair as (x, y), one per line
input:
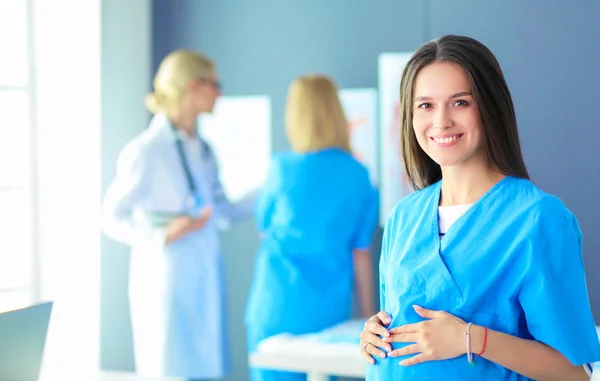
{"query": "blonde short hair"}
(173, 77)
(314, 117)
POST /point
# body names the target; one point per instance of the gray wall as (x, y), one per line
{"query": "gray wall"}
(548, 49)
(126, 73)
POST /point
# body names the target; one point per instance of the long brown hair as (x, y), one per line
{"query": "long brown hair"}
(496, 109)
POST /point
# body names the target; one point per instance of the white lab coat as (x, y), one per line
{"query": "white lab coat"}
(176, 290)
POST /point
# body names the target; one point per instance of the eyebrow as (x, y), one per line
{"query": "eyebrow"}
(460, 94)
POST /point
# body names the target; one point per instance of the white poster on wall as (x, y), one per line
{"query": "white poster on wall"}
(239, 131)
(360, 106)
(394, 184)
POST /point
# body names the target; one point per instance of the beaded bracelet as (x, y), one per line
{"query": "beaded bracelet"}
(469, 353)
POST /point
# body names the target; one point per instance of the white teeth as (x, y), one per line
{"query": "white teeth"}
(446, 140)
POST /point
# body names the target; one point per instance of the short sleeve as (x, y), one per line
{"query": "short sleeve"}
(367, 220)
(265, 202)
(554, 294)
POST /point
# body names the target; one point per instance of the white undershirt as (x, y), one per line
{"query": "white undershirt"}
(448, 215)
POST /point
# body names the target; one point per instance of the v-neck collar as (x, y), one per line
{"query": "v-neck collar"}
(434, 209)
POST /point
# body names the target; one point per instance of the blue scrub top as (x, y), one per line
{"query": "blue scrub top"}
(511, 263)
(315, 209)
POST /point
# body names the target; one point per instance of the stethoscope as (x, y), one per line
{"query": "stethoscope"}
(191, 202)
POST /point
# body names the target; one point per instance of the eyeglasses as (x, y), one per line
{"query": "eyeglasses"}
(215, 84)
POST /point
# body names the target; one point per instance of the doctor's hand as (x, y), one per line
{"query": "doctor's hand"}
(370, 337)
(441, 337)
(184, 225)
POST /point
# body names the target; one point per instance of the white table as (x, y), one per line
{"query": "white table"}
(316, 368)
(318, 355)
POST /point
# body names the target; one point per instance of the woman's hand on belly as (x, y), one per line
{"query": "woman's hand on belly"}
(442, 337)
(371, 337)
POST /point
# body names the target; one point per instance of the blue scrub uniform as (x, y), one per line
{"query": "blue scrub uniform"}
(315, 209)
(511, 263)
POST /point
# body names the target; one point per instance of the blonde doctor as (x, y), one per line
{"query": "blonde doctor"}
(165, 203)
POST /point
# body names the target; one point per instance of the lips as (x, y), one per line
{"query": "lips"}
(446, 140)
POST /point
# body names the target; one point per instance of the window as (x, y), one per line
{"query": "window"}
(18, 283)
(13, 43)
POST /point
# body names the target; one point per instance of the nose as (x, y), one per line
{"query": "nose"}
(442, 118)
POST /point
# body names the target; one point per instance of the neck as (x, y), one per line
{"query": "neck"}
(185, 122)
(462, 185)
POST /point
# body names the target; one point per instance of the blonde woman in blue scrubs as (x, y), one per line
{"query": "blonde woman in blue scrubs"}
(482, 276)
(316, 215)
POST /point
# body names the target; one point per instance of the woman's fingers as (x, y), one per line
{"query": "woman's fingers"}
(420, 358)
(374, 325)
(384, 318)
(371, 341)
(402, 338)
(375, 340)
(366, 355)
(404, 351)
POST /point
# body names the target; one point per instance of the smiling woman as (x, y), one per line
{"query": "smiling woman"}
(441, 119)
(480, 269)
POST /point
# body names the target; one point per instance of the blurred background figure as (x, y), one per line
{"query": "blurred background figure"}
(316, 216)
(165, 202)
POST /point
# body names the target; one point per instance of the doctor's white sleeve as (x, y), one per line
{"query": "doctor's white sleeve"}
(227, 210)
(125, 190)
(234, 211)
